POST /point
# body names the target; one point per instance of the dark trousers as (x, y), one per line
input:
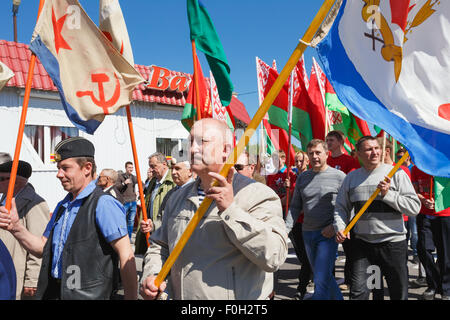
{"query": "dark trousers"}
(347, 245)
(441, 235)
(391, 259)
(425, 248)
(305, 274)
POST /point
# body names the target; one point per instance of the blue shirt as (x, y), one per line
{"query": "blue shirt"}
(110, 219)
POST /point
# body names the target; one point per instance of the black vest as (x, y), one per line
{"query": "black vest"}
(89, 264)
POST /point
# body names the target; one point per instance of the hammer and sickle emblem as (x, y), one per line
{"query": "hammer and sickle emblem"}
(101, 78)
(389, 51)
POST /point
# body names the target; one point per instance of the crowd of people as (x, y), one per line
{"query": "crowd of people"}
(86, 247)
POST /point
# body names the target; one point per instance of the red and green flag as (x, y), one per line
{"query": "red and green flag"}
(341, 119)
(198, 99)
(206, 39)
(278, 115)
(317, 109)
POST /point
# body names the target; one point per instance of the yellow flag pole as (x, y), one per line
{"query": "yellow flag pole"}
(270, 97)
(374, 195)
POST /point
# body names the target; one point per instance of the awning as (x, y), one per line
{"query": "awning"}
(238, 110)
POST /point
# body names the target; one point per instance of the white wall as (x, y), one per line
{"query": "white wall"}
(111, 140)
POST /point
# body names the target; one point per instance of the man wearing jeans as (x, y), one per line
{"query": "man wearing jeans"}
(315, 193)
(380, 234)
(125, 185)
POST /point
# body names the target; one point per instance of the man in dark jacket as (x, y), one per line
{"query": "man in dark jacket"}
(34, 214)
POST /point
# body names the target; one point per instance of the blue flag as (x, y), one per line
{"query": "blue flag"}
(388, 70)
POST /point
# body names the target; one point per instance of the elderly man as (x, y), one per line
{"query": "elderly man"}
(34, 214)
(182, 175)
(86, 238)
(157, 189)
(238, 244)
(379, 235)
(107, 180)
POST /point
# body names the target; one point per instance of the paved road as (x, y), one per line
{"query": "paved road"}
(287, 277)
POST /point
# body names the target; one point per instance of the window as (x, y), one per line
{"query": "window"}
(45, 138)
(176, 148)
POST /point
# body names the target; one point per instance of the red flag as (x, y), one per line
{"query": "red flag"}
(197, 98)
(317, 109)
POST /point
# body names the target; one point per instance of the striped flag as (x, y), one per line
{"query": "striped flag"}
(387, 69)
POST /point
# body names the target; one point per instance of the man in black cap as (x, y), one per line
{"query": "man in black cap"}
(34, 214)
(86, 236)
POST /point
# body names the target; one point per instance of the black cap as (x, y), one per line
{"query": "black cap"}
(24, 169)
(73, 148)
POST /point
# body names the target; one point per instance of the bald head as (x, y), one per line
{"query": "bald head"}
(211, 143)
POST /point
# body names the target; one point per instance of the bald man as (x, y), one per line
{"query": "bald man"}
(238, 244)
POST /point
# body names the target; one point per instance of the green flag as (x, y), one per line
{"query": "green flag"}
(206, 40)
(441, 193)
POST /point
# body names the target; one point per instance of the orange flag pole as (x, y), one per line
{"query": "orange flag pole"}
(195, 76)
(26, 99)
(374, 195)
(138, 170)
(254, 123)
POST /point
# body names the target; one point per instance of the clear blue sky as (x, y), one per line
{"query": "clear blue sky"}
(159, 33)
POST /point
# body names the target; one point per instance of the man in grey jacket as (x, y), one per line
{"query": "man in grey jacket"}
(238, 244)
(379, 235)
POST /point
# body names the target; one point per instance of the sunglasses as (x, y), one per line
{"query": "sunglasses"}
(239, 167)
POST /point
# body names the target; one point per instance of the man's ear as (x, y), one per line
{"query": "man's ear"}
(88, 169)
(227, 149)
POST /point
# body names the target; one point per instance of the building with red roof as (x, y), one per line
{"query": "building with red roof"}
(156, 111)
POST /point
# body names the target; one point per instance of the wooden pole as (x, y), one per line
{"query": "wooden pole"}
(288, 162)
(138, 170)
(26, 100)
(271, 95)
(374, 195)
(383, 154)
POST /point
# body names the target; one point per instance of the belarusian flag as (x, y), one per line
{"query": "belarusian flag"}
(262, 75)
(301, 105)
(316, 94)
(207, 41)
(278, 114)
(218, 111)
(196, 99)
(340, 118)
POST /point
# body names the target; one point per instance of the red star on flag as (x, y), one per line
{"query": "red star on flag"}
(60, 42)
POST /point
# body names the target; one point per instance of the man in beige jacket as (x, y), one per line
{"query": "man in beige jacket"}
(34, 214)
(238, 244)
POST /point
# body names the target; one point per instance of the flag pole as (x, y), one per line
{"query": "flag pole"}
(291, 96)
(138, 170)
(270, 97)
(384, 147)
(195, 76)
(374, 195)
(26, 100)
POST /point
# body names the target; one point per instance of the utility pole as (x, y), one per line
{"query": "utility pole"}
(15, 10)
